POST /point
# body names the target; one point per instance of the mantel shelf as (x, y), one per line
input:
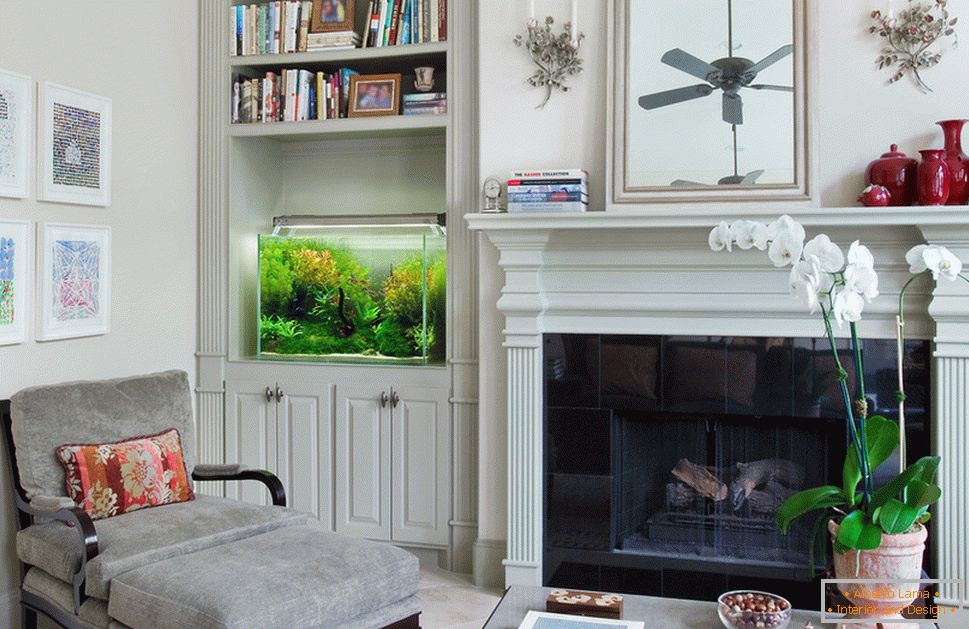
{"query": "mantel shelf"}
(374, 126)
(345, 55)
(708, 216)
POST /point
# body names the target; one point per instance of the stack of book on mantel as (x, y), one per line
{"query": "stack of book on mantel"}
(425, 103)
(334, 40)
(564, 190)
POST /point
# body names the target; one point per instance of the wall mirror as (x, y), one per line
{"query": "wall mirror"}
(709, 100)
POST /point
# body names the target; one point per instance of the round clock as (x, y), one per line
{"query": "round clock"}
(492, 193)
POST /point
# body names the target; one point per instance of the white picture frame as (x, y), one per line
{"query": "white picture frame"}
(16, 122)
(75, 281)
(16, 256)
(75, 146)
(541, 620)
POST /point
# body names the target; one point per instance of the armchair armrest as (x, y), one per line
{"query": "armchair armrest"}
(240, 472)
(74, 517)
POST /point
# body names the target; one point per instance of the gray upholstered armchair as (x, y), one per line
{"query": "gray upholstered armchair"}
(205, 563)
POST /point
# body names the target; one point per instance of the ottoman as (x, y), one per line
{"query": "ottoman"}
(293, 577)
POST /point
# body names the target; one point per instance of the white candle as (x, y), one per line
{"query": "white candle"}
(575, 21)
(531, 9)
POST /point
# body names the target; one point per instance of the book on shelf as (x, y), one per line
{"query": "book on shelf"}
(291, 95)
(424, 103)
(556, 196)
(283, 26)
(561, 173)
(517, 207)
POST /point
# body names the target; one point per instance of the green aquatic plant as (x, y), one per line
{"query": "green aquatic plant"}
(275, 329)
(275, 282)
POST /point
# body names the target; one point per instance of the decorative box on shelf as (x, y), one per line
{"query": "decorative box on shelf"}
(579, 603)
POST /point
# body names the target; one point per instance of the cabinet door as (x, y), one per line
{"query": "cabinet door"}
(304, 431)
(422, 466)
(362, 463)
(250, 435)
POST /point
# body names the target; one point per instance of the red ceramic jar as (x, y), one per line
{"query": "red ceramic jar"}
(897, 172)
(933, 178)
(956, 160)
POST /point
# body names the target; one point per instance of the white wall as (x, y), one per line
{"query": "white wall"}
(858, 116)
(144, 55)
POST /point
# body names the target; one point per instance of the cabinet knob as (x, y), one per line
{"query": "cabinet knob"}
(269, 394)
(280, 394)
(394, 398)
(383, 399)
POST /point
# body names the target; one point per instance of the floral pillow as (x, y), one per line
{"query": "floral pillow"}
(109, 479)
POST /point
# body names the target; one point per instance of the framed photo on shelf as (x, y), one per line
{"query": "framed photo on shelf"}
(15, 257)
(75, 281)
(75, 146)
(16, 114)
(374, 95)
(332, 15)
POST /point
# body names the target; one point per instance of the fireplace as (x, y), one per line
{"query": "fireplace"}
(666, 457)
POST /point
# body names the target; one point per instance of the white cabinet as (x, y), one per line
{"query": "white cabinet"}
(393, 461)
(285, 427)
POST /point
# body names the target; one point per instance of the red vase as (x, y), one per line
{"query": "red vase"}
(897, 172)
(933, 178)
(956, 160)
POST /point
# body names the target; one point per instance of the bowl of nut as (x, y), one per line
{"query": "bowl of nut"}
(749, 609)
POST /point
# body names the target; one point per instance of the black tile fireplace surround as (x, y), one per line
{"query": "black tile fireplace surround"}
(666, 457)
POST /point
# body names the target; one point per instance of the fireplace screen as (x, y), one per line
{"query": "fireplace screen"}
(674, 453)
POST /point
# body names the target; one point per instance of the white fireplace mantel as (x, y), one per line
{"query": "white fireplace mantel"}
(653, 273)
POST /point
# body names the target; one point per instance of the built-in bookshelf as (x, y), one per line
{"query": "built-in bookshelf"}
(398, 164)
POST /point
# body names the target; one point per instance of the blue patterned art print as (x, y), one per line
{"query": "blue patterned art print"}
(75, 279)
(7, 294)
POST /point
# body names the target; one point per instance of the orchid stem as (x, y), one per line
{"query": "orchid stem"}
(862, 409)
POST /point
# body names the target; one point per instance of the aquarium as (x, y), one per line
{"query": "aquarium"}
(354, 289)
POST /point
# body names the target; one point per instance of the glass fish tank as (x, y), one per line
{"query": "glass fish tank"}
(354, 289)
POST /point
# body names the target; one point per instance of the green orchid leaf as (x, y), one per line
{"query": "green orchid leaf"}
(805, 501)
(881, 437)
(875, 514)
(896, 517)
(923, 469)
(857, 531)
(925, 517)
(921, 494)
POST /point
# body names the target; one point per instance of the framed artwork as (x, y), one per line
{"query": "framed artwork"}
(75, 146)
(14, 280)
(374, 95)
(332, 15)
(16, 113)
(75, 282)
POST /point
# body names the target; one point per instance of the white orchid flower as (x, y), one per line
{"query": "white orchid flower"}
(806, 281)
(942, 262)
(785, 250)
(721, 237)
(829, 254)
(916, 263)
(848, 306)
(785, 226)
(750, 234)
(862, 280)
(860, 256)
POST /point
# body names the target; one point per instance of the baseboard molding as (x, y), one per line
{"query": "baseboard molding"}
(486, 563)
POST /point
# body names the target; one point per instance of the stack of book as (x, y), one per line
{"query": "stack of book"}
(271, 28)
(291, 95)
(425, 103)
(548, 191)
(329, 41)
(399, 22)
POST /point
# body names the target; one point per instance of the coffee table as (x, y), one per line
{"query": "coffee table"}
(668, 613)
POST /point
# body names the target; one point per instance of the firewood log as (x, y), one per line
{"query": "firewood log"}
(700, 479)
(766, 500)
(754, 475)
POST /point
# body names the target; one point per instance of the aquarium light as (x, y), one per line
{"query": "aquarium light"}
(351, 221)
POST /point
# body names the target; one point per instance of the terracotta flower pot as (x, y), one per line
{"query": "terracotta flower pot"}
(898, 557)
